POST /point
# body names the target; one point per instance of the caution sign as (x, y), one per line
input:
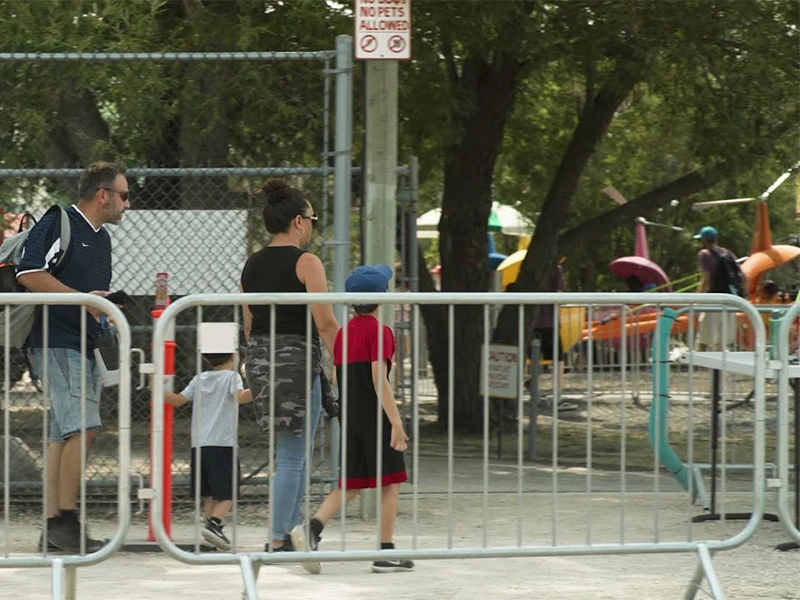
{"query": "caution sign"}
(383, 29)
(502, 371)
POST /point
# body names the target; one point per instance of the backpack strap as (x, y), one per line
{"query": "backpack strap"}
(26, 216)
(65, 236)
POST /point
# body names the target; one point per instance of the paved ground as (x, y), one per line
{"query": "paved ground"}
(755, 570)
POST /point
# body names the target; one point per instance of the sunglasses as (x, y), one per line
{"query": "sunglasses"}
(123, 195)
(312, 218)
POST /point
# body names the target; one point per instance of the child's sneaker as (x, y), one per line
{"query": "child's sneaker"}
(392, 566)
(212, 533)
(302, 544)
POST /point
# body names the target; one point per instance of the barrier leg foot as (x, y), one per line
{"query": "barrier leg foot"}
(699, 489)
(71, 582)
(704, 568)
(57, 580)
(249, 577)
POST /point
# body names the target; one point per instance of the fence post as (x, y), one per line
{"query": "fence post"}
(535, 397)
(342, 161)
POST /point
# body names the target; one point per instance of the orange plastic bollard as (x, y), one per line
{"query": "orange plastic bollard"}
(166, 480)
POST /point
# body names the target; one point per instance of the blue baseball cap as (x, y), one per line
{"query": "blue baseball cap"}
(707, 233)
(369, 279)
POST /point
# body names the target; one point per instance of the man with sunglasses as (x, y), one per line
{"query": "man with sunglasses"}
(102, 198)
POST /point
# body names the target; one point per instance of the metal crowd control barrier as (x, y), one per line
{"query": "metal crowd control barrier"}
(790, 370)
(592, 510)
(64, 576)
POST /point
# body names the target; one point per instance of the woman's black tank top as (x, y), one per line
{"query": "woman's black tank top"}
(273, 269)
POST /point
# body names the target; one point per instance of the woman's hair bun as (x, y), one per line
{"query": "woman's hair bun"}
(275, 190)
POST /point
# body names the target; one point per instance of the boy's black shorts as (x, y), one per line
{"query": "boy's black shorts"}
(216, 472)
(362, 457)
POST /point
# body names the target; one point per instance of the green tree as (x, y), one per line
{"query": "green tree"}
(165, 113)
(582, 66)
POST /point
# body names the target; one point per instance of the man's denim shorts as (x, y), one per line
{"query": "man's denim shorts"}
(64, 371)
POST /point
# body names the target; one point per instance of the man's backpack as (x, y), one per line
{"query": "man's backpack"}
(728, 278)
(21, 316)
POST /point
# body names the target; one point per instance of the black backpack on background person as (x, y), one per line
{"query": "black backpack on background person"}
(728, 278)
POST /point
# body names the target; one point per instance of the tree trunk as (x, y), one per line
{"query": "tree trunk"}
(536, 270)
(489, 90)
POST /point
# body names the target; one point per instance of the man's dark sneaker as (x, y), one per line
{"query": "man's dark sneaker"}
(303, 544)
(66, 537)
(212, 533)
(392, 566)
(50, 546)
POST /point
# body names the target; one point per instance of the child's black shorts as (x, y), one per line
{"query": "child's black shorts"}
(216, 472)
(362, 457)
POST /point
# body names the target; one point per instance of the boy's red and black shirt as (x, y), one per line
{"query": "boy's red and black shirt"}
(363, 339)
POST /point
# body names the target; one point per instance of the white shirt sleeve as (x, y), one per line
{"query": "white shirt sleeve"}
(237, 385)
(188, 391)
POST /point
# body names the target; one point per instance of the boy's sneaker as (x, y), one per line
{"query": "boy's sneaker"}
(302, 544)
(392, 566)
(212, 533)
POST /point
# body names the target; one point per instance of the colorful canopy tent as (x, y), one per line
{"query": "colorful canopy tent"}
(510, 267)
(502, 219)
(639, 265)
(763, 255)
(495, 257)
(512, 263)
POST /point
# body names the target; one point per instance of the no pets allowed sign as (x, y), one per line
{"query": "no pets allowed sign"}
(383, 29)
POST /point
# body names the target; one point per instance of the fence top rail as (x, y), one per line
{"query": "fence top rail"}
(175, 172)
(56, 299)
(320, 55)
(698, 301)
(190, 171)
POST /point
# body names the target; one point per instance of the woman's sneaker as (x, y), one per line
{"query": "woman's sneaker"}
(212, 533)
(287, 546)
(302, 544)
(392, 566)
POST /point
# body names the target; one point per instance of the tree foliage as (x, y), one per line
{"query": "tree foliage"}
(535, 103)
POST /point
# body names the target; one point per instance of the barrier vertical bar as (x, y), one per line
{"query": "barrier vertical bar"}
(45, 425)
(485, 394)
(7, 433)
(197, 451)
(450, 414)
(623, 465)
(415, 423)
(82, 527)
(520, 414)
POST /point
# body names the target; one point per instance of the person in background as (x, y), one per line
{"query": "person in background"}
(710, 331)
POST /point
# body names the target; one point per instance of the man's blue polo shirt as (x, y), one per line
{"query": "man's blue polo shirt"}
(86, 268)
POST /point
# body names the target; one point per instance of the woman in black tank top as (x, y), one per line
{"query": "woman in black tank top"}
(283, 266)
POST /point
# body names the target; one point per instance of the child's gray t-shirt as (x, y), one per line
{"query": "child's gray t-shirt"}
(214, 407)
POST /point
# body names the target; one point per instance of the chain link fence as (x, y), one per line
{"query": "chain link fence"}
(197, 222)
